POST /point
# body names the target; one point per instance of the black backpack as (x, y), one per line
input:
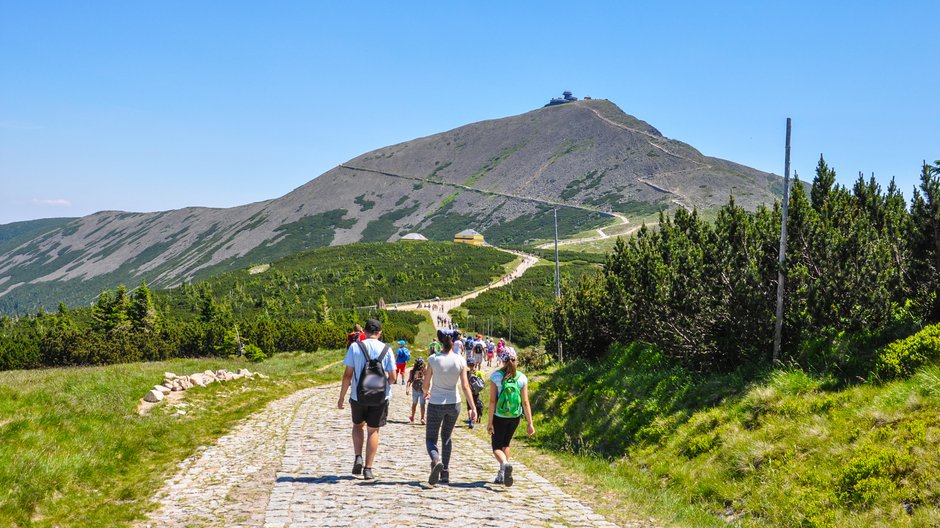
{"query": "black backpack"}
(373, 382)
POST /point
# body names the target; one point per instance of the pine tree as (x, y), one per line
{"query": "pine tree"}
(925, 241)
(822, 184)
(143, 314)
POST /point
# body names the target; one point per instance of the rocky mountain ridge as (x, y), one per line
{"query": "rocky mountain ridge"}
(501, 177)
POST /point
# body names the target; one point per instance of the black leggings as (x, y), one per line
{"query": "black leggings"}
(441, 421)
(503, 429)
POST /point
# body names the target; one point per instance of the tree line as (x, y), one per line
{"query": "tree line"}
(124, 326)
(862, 270)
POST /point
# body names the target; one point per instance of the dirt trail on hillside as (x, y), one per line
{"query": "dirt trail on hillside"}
(443, 306)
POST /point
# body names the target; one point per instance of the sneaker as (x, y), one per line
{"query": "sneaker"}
(499, 478)
(357, 465)
(367, 474)
(470, 424)
(507, 478)
(435, 476)
(445, 476)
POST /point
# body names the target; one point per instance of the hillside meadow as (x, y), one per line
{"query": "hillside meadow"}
(75, 452)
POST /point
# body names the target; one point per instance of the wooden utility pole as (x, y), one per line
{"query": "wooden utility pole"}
(778, 328)
(557, 276)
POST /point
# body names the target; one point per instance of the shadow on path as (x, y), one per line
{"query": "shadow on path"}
(327, 479)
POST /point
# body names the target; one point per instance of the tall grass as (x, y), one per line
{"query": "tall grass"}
(789, 449)
(74, 451)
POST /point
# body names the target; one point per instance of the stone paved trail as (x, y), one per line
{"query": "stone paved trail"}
(289, 466)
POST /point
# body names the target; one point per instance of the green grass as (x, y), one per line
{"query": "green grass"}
(787, 449)
(73, 451)
(608, 486)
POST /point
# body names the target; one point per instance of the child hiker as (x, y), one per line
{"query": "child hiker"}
(416, 388)
(509, 399)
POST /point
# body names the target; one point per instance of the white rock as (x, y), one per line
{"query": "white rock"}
(260, 375)
(244, 372)
(165, 390)
(186, 384)
(181, 412)
(153, 396)
(228, 376)
(198, 379)
(169, 375)
(177, 387)
(209, 374)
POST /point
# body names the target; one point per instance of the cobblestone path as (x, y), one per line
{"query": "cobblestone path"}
(289, 466)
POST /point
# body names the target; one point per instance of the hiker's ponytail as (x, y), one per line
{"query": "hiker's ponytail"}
(509, 368)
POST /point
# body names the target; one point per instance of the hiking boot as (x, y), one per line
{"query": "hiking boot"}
(435, 476)
(507, 475)
(445, 476)
(357, 465)
(499, 478)
(367, 474)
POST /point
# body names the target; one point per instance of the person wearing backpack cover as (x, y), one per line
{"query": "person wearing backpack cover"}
(402, 356)
(477, 384)
(447, 372)
(370, 371)
(416, 384)
(509, 399)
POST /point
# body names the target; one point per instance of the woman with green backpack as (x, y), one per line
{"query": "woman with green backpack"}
(509, 399)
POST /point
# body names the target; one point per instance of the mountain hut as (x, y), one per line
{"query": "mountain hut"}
(469, 236)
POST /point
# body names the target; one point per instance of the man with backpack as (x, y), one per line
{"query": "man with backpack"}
(370, 371)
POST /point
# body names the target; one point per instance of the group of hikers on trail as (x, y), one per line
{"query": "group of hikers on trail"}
(436, 385)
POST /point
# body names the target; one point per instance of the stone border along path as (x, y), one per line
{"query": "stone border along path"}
(306, 440)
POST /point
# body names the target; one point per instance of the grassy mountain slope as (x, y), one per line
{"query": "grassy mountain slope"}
(788, 450)
(501, 177)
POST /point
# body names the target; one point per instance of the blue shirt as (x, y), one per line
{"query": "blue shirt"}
(357, 361)
(402, 355)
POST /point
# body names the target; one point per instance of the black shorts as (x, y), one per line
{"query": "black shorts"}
(503, 429)
(374, 416)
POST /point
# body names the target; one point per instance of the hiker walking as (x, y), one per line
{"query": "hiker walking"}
(370, 370)
(509, 399)
(458, 344)
(402, 356)
(446, 376)
(477, 381)
(415, 387)
(434, 347)
(356, 335)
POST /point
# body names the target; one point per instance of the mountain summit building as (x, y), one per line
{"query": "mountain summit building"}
(469, 236)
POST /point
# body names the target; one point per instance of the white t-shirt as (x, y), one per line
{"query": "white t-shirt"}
(445, 383)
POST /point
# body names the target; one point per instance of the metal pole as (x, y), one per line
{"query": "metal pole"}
(778, 329)
(557, 275)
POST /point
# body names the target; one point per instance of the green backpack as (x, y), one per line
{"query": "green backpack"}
(509, 403)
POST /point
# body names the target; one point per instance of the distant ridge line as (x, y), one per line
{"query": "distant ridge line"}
(472, 189)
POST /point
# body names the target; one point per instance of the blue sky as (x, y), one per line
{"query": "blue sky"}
(152, 106)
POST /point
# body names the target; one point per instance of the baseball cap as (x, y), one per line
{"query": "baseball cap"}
(373, 326)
